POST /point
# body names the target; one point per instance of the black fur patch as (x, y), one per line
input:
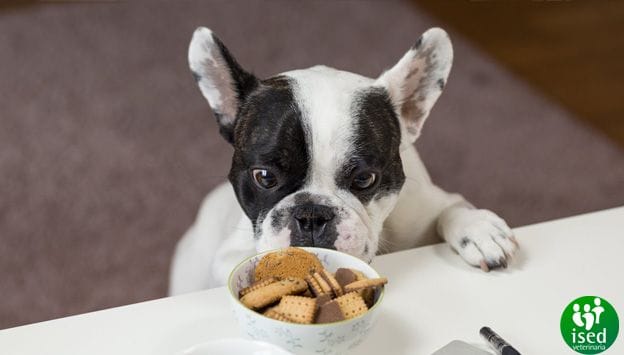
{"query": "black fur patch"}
(418, 43)
(441, 83)
(303, 198)
(244, 84)
(268, 134)
(376, 146)
(196, 76)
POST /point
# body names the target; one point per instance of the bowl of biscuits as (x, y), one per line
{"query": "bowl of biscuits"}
(306, 300)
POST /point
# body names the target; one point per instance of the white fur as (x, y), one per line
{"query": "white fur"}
(222, 235)
(324, 95)
(413, 71)
(216, 85)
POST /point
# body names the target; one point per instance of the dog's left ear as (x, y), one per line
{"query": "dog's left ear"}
(221, 79)
(417, 80)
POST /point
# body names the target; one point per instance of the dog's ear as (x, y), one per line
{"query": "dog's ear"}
(417, 80)
(221, 79)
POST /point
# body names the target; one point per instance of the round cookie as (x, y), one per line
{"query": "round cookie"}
(289, 262)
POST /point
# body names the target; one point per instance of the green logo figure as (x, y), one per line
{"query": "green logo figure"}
(589, 325)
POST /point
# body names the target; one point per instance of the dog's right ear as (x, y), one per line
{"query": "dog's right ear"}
(221, 79)
(417, 80)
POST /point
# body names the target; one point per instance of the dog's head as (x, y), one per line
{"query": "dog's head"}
(317, 151)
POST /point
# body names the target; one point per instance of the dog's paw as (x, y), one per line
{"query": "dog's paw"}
(481, 237)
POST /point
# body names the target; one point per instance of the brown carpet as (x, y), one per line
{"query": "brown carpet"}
(107, 147)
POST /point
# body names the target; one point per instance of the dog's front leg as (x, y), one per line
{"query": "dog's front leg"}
(207, 254)
(236, 248)
(481, 237)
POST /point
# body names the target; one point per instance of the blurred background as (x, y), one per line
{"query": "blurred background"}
(107, 147)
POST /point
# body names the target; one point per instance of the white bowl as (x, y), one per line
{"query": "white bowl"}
(329, 338)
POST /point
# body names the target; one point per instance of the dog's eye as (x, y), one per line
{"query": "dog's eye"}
(363, 181)
(264, 178)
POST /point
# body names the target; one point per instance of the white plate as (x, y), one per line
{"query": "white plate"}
(235, 346)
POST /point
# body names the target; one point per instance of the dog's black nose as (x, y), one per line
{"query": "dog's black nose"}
(311, 221)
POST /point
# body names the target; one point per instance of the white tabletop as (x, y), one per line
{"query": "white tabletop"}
(432, 298)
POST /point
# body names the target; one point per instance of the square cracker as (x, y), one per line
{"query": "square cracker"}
(298, 309)
(352, 305)
(275, 314)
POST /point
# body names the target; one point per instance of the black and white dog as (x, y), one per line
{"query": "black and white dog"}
(324, 158)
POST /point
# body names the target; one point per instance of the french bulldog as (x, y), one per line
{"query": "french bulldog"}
(325, 158)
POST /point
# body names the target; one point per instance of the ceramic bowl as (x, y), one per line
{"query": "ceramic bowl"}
(330, 338)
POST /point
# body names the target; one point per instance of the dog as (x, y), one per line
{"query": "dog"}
(325, 158)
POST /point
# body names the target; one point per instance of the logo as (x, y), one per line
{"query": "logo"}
(589, 325)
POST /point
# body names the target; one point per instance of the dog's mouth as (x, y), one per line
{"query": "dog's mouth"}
(333, 221)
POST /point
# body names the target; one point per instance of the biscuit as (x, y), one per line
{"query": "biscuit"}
(271, 293)
(351, 305)
(256, 285)
(289, 262)
(345, 276)
(333, 283)
(368, 294)
(315, 286)
(321, 281)
(298, 309)
(329, 312)
(322, 299)
(359, 275)
(367, 283)
(275, 314)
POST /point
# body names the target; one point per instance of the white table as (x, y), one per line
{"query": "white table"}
(432, 298)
